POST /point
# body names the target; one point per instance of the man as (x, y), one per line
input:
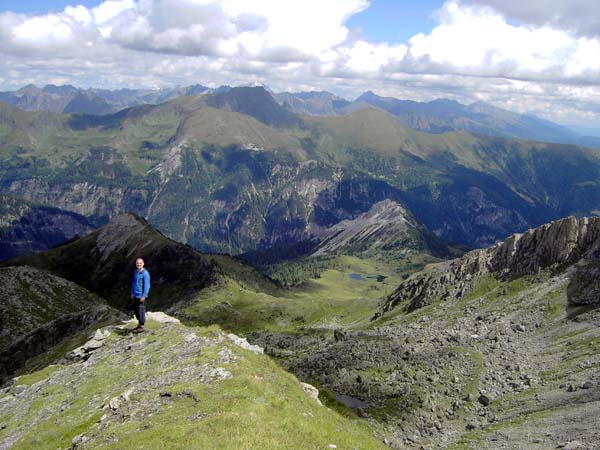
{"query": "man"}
(140, 286)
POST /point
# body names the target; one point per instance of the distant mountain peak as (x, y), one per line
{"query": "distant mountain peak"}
(387, 225)
(445, 101)
(53, 88)
(29, 89)
(316, 94)
(256, 102)
(314, 103)
(367, 96)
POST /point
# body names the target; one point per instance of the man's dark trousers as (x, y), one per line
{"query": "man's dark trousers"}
(139, 311)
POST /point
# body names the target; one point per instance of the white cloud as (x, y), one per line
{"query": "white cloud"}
(110, 9)
(309, 26)
(80, 13)
(364, 57)
(43, 29)
(581, 17)
(504, 52)
(257, 30)
(478, 41)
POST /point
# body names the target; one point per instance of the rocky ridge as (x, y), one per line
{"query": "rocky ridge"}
(551, 247)
(69, 99)
(103, 261)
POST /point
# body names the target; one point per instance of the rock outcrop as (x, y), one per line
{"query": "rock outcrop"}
(386, 227)
(551, 247)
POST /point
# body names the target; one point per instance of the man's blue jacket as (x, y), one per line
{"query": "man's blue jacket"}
(140, 286)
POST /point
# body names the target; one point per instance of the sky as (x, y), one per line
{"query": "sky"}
(537, 56)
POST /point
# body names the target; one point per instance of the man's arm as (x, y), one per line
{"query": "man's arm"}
(146, 276)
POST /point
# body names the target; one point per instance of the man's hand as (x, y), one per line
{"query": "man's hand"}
(142, 300)
(131, 296)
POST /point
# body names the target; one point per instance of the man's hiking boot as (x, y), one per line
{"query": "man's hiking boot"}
(139, 329)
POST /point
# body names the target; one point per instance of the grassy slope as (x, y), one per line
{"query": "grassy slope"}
(56, 138)
(178, 401)
(333, 300)
(223, 128)
(215, 288)
(375, 130)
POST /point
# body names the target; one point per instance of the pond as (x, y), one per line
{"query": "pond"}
(350, 402)
(360, 277)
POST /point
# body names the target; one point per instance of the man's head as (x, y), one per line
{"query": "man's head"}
(139, 264)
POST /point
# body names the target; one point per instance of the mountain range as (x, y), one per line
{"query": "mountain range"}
(437, 116)
(234, 171)
(69, 99)
(334, 237)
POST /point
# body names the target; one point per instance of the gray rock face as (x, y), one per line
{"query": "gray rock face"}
(85, 198)
(84, 352)
(386, 226)
(552, 247)
(243, 343)
(311, 391)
